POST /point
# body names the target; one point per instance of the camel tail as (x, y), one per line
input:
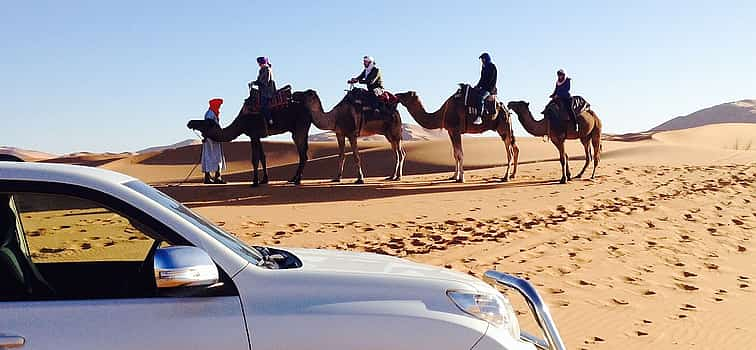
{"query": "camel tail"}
(597, 127)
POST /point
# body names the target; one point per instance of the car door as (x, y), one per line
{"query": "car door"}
(91, 258)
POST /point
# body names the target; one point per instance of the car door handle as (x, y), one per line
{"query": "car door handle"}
(11, 341)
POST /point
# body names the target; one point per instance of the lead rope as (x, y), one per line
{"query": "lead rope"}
(196, 163)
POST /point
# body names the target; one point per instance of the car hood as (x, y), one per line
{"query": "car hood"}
(318, 260)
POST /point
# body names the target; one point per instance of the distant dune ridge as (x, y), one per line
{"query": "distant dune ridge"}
(187, 142)
(25, 154)
(743, 111)
(410, 132)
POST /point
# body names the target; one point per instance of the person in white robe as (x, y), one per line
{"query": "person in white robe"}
(212, 151)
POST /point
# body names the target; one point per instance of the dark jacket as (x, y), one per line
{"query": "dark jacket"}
(265, 82)
(373, 80)
(487, 78)
(562, 91)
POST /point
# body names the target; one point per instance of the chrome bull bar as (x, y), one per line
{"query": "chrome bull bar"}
(537, 306)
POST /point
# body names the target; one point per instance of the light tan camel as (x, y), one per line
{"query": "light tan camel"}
(558, 132)
(344, 119)
(453, 117)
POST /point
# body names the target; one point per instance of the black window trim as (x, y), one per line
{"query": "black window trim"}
(116, 205)
(108, 201)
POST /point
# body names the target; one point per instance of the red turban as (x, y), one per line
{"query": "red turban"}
(215, 106)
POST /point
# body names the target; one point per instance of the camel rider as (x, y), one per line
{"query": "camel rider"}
(487, 83)
(370, 76)
(212, 151)
(267, 87)
(562, 94)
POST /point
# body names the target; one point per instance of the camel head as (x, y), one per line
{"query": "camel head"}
(407, 98)
(200, 125)
(308, 98)
(519, 107)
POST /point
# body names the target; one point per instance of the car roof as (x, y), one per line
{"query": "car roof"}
(62, 173)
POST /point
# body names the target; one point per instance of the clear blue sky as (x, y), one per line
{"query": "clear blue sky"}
(120, 76)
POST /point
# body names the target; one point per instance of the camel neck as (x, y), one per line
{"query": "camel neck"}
(426, 120)
(532, 126)
(323, 120)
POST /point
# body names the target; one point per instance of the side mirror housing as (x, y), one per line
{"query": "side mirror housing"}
(184, 266)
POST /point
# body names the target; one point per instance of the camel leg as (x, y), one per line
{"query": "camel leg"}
(356, 155)
(301, 142)
(515, 158)
(394, 149)
(400, 154)
(456, 139)
(596, 141)
(562, 158)
(567, 165)
(509, 151)
(255, 162)
(402, 157)
(263, 162)
(342, 145)
(586, 141)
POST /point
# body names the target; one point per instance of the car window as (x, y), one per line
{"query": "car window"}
(233, 243)
(61, 228)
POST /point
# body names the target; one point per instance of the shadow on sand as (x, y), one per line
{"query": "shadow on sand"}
(198, 195)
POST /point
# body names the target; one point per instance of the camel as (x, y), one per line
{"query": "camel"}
(453, 117)
(294, 118)
(590, 135)
(344, 120)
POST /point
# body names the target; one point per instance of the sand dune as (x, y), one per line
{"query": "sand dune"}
(89, 159)
(26, 155)
(743, 111)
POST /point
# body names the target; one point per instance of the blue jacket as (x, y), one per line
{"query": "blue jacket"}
(562, 91)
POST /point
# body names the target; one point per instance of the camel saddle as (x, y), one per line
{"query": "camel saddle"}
(553, 108)
(470, 97)
(280, 100)
(371, 106)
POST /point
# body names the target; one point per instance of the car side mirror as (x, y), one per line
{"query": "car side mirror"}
(184, 266)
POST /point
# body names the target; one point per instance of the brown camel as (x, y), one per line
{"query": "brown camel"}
(294, 118)
(344, 119)
(558, 132)
(453, 117)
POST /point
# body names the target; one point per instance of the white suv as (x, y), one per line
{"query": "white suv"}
(92, 259)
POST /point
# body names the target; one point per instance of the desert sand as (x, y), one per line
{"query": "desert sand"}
(656, 252)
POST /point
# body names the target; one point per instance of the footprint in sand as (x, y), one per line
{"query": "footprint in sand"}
(688, 287)
(86, 246)
(51, 250)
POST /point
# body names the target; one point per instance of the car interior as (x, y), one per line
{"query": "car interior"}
(23, 279)
(20, 276)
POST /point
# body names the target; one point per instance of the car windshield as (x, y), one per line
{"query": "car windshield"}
(208, 227)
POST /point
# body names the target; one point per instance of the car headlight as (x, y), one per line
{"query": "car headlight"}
(492, 308)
